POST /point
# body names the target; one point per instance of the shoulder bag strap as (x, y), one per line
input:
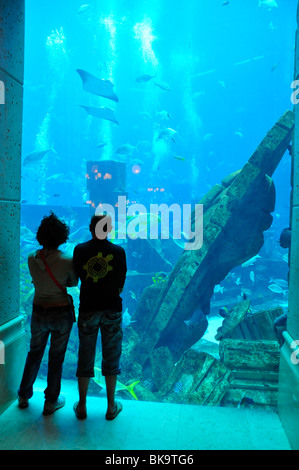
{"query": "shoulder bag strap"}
(51, 274)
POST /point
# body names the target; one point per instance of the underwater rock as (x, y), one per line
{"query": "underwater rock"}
(258, 325)
(198, 378)
(236, 214)
(184, 337)
(258, 398)
(254, 367)
(130, 369)
(243, 354)
(144, 394)
(145, 311)
(162, 365)
(210, 347)
(227, 181)
(140, 321)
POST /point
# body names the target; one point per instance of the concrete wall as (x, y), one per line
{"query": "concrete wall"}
(11, 93)
(288, 401)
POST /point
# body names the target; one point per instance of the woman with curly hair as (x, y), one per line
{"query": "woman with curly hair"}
(52, 313)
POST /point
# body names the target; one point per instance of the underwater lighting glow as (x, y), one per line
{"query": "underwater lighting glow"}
(110, 26)
(143, 32)
(136, 169)
(156, 190)
(58, 61)
(56, 39)
(42, 139)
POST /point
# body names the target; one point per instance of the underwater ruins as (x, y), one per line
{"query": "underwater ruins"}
(162, 345)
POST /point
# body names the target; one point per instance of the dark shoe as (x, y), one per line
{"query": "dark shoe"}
(118, 408)
(49, 407)
(79, 414)
(23, 403)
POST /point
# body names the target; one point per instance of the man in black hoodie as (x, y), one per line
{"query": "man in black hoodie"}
(101, 267)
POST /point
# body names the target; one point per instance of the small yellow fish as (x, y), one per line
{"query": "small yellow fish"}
(133, 295)
(100, 380)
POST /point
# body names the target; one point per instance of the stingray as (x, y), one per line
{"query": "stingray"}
(97, 86)
(102, 112)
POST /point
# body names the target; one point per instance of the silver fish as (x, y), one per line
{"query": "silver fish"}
(250, 261)
(126, 149)
(167, 134)
(163, 85)
(82, 8)
(163, 114)
(268, 3)
(126, 319)
(277, 289)
(280, 282)
(55, 177)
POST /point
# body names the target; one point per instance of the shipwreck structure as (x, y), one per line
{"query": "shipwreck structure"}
(164, 327)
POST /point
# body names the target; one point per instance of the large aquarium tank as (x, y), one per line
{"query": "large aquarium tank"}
(179, 115)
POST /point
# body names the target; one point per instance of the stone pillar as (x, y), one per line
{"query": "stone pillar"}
(288, 400)
(12, 352)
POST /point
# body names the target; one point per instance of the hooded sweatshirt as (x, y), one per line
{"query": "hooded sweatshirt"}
(47, 293)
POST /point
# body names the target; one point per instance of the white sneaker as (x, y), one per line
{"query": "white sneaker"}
(50, 407)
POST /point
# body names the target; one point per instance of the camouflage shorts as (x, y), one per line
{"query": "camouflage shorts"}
(110, 325)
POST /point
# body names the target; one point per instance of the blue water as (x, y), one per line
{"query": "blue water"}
(222, 77)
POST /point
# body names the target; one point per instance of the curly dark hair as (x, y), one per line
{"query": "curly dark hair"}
(52, 232)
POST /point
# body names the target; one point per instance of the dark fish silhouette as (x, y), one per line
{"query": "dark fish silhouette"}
(101, 144)
(36, 156)
(97, 86)
(144, 78)
(102, 113)
(163, 85)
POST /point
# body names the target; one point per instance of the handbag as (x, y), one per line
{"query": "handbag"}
(71, 300)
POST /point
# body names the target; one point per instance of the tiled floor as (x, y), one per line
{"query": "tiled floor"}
(140, 426)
